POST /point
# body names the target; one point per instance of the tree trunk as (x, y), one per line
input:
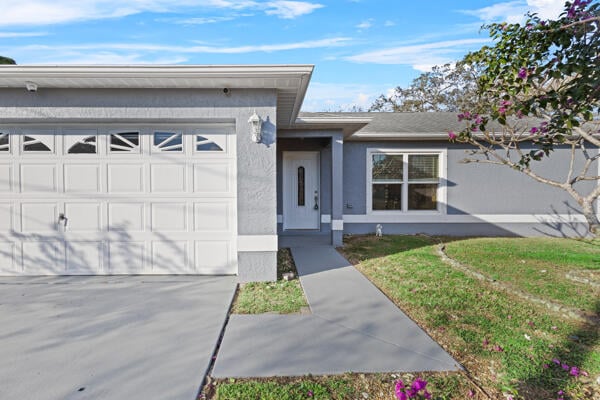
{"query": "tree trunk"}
(591, 218)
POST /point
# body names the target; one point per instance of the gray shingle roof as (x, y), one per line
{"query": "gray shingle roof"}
(387, 122)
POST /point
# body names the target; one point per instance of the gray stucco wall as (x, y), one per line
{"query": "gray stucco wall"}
(472, 189)
(256, 163)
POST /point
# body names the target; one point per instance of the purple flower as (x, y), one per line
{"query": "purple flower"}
(560, 393)
(534, 130)
(427, 395)
(401, 396)
(471, 393)
(310, 393)
(564, 366)
(522, 73)
(545, 366)
(460, 117)
(556, 361)
(574, 371)
(419, 384)
(452, 135)
(498, 348)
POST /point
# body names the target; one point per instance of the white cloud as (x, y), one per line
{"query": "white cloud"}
(45, 12)
(21, 34)
(420, 56)
(341, 96)
(514, 11)
(291, 9)
(365, 24)
(204, 20)
(147, 53)
(389, 23)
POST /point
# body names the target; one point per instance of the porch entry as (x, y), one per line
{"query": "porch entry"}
(301, 196)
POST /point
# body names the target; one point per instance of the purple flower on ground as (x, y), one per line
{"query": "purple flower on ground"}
(419, 384)
(564, 366)
(471, 393)
(556, 361)
(545, 366)
(584, 373)
(310, 393)
(560, 393)
(574, 371)
(522, 73)
(427, 395)
(498, 348)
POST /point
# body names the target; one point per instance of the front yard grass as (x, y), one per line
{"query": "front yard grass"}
(283, 297)
(507, 344)
(536, 265)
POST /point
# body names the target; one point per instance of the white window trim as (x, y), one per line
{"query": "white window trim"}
(442, 191)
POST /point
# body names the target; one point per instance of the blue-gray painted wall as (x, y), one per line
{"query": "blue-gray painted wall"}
(472, 189)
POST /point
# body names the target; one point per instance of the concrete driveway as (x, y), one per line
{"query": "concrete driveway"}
(109, 337)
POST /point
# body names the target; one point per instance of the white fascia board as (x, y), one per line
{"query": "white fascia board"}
(155, 71)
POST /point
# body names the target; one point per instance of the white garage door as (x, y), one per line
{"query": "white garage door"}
(118, 200)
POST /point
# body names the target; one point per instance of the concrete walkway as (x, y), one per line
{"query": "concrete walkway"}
(109, 338)
(353, 327)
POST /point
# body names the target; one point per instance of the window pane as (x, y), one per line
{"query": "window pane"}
(387, 197)
(387, 166)
(168, 141)
(422, 167)
(301, 186)
(4, 142)
(126, 141)
(422, 196)
(84, 146)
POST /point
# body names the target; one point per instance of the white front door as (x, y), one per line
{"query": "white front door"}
(301, 196)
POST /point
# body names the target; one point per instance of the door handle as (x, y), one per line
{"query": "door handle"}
(316, 207)
(62, 218)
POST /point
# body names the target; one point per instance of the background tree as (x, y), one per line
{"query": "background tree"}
(6, 60)
(446, 88)
(540, 83)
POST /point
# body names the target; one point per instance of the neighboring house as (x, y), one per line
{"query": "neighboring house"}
(156, 170)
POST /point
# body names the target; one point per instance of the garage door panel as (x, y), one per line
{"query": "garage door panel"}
(213, 257)
(126, 257)
(164, 206)
(39, 217)
(6, 218)
(125, 178)
(6, 180)
(82, 178)
(126, 217)
(38, 178)
(213, 216)
(83, 217)
(212, 178)
(45, 257)
(84, 258)
(167, 217)
(167, 178)
(8, 264)
(170, 257)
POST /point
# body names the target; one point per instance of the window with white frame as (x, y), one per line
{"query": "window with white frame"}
(404, 181)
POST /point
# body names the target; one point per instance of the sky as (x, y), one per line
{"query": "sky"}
(360, 48)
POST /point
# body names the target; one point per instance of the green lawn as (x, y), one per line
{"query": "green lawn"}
(506, 344)
(282, 297)
(535, 265)
(503, 341)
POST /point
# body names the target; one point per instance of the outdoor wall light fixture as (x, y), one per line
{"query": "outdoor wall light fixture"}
(256, 127)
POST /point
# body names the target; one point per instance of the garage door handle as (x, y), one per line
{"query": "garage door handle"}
(62, 218)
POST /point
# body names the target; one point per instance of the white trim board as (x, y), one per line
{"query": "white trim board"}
(462, 219)
(257, 243)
